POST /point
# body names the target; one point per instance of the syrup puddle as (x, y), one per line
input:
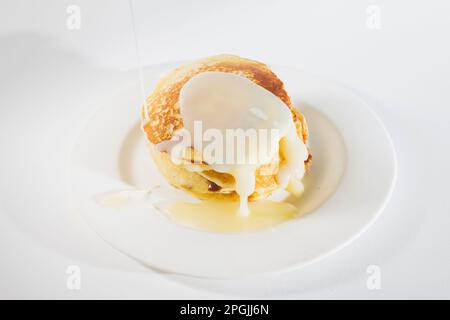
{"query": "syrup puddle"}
(224, 216)
(122, 198)
(207, 215)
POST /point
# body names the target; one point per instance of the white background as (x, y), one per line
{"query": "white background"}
(51, 79)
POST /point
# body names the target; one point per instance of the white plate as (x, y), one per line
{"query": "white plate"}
(352, 177)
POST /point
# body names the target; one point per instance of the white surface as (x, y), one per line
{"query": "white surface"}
(345, 190)
(54, 78)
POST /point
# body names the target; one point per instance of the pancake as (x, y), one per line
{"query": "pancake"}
(162, 118)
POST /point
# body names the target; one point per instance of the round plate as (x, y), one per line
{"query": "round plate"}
(351, 179)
